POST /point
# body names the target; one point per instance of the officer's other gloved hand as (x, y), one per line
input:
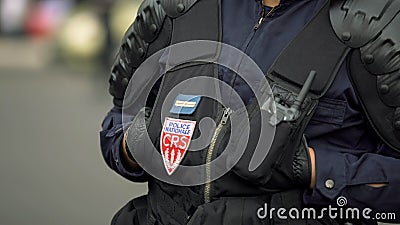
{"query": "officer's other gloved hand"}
(136, 132)
(293, 170)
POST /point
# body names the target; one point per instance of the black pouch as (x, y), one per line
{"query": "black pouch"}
(286, 137)
(134, 212)
(293, 200)
(230, 211)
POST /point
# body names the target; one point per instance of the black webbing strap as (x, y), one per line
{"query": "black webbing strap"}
(315, 48)
(167, 207)
(170, 207)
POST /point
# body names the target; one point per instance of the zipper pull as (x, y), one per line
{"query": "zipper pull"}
(225, 116)
(262, 16)
(259, 23)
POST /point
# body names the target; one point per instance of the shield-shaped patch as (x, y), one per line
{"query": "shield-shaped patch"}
(175, 139)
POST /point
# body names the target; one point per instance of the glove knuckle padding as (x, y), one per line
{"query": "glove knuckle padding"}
(149, 33)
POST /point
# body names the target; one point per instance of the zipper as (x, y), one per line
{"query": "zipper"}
(228, 112)
(210, 152)
(249, 39)
(263, 16)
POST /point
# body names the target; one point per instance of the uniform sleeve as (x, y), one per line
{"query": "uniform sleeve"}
(350, 155)
(348, 175)
(110, 140)
(150, 32)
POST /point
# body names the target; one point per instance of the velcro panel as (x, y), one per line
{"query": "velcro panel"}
(315, 48)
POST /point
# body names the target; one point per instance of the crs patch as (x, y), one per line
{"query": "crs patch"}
(175, 139)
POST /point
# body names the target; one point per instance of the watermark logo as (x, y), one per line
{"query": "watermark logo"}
(341, 201)
(341, 212)
(203, 86)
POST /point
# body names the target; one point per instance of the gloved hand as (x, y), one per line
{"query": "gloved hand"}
(287, 164)
(136, 131)
(293, 169)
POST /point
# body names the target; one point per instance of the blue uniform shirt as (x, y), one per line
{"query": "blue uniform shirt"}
(349, 155)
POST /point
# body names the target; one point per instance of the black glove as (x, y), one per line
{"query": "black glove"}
(136, 131)
(287, 164)
(293, 170)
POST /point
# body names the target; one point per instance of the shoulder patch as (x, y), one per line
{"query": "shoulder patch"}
(176, 8)
(357, 22)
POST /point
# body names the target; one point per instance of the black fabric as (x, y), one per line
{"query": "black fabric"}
(133, 213)
(204, 27)
(323, 55)
(215, 213)
(169, 204)
(168, 209)
(294, 199)
(288, 200)
(230, 211)
(173, 204)
(166, 98)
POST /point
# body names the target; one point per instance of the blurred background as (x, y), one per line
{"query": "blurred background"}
(55, 56)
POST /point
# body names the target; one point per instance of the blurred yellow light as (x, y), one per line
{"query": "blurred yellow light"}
(122, 15)
(83, 36)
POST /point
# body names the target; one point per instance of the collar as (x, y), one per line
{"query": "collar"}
(281, 1)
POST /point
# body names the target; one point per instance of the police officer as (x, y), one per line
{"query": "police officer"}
(345, 146)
